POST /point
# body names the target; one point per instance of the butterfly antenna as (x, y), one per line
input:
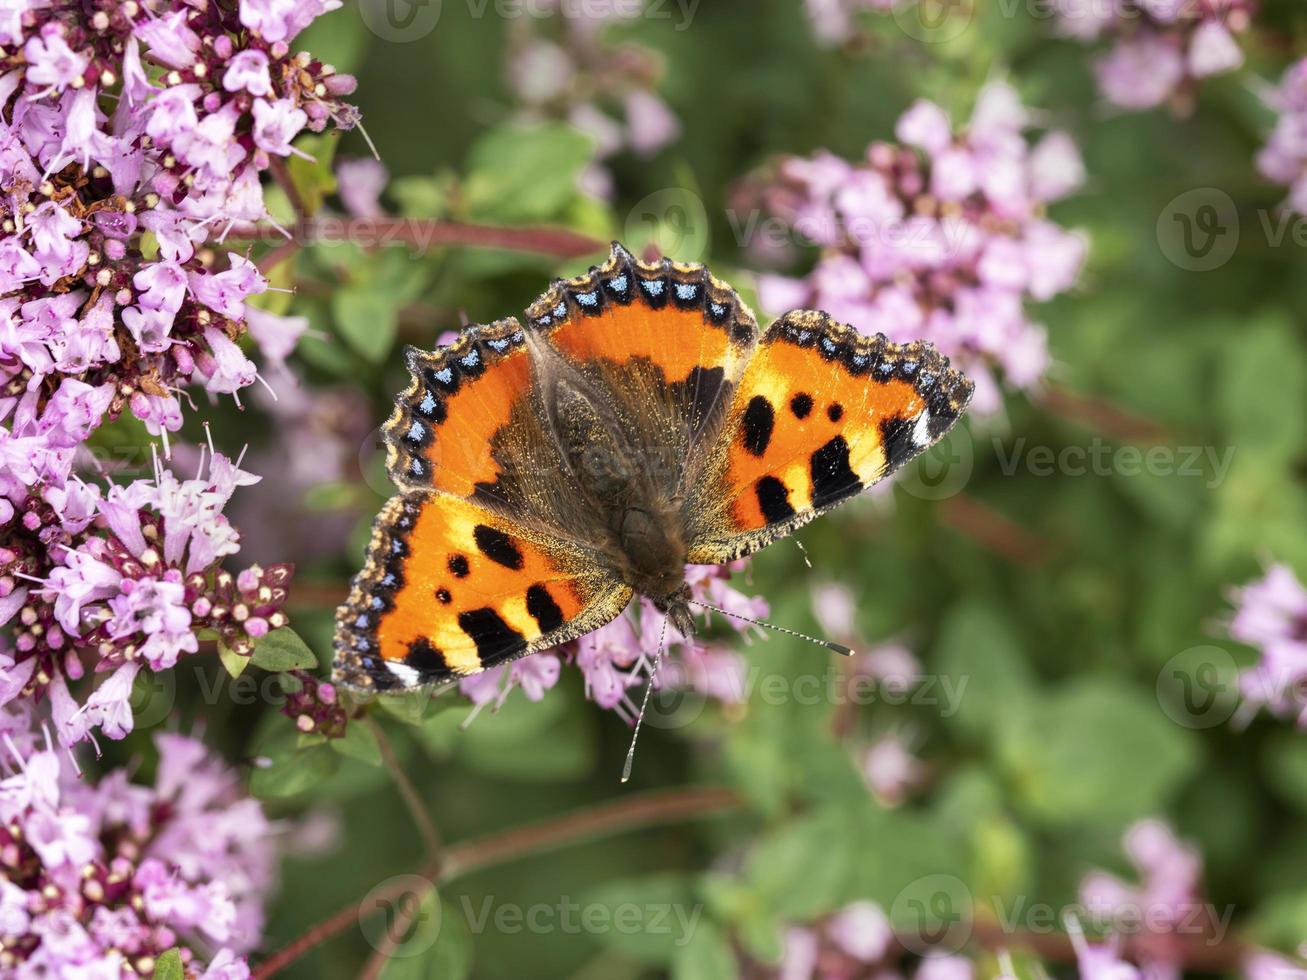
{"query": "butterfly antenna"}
(806, 560)
(839, 648)
(644, 704)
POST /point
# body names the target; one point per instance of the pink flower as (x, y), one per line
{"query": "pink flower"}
(1284, 158)
(861, 930)
(535, 674)
(890, 769)
(109, 707)
(276, 336)
(943, 237)
(50, 62)
(1271, 616)
(281, 20)
(360, 184)
(276, 123)
(926, 127)
(227, 368)
(169, 39)
(225, 292)
(651, 123)
(1141, 72)
(1213, 50)
(152, 868)
(248, 71)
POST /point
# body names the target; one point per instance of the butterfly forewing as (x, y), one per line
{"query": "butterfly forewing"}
(821, 413)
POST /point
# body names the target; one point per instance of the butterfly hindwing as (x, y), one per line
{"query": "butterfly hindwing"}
(821, 413)
(451, 588)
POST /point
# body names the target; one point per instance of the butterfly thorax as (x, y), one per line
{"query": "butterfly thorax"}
(624, 501)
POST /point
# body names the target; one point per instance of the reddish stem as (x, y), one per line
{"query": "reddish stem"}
(628, 813)
(423, 234)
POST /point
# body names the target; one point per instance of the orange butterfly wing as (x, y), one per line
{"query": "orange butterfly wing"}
(821, 413)
(450, 589)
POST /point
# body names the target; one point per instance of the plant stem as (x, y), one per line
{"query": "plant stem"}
(994, 530)
(423, 234)
(412, 799)
(629, 813)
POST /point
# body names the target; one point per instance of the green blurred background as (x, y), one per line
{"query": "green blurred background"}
(1062, 600)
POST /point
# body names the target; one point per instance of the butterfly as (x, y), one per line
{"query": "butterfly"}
(636, 420)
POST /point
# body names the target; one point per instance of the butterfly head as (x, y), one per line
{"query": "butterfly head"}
(676, 606)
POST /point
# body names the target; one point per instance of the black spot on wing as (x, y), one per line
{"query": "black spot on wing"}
(835, 411)
(896, 440)
(458, 566)
(493, 637)
(426, 658)
(542, 607)
(497, 546)
(443, 597)
(759, 420)
(700, 393)
(832, 477)
(801, 405)
(773, 500)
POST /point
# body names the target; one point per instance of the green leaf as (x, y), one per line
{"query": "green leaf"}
(707, 956)
(336, 40)
(314, 179)
(1263, 388)
(1097, 752)
(291, 771)
(502, 744)
(978, 647)
(801, 868)
(282, 649)
(437, 945)
(412, 708)
(233, 662)
(1285, 765)
(169, 966)
(360, 742)
(420, 197)
(649, 917)
(367, 318)
(525, 173)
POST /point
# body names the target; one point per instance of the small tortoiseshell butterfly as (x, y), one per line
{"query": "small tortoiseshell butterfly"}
(637, 420)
